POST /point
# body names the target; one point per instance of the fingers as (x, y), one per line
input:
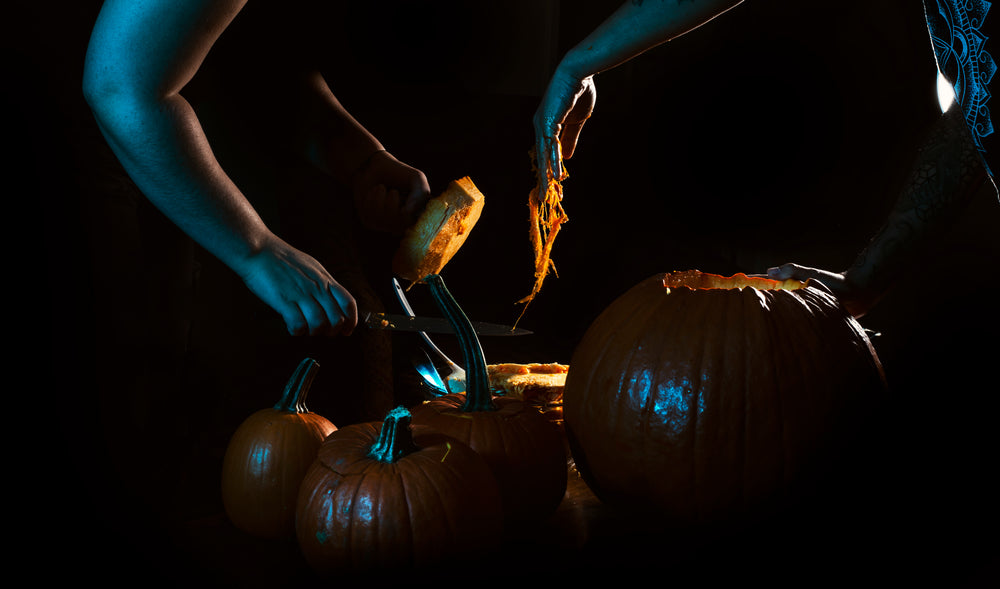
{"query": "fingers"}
(785, 272)
(300, 290)
(343, 303)
(796, 272)
(379, 208)
(548, 148)
(391, 195)
(542, 155)
(295, 321)
(555, 154)
(329, 313)
(416, 200)
(559, 120)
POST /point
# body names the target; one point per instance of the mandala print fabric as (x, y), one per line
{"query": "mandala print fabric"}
(960, 43)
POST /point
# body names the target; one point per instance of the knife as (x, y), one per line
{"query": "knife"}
(397, 322)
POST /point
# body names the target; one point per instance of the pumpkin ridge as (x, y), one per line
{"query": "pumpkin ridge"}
(593, 363)
(649, 400)
(698, 385)
(747, 369)
(800, 363)
(361, 522)
(749, 376)
(774, 344)
(676, 316)
(386, 482)
(779, 375)
(701, 469)
(268, 455)
(349, 533)
(403, 494)
(436, 496)
(615, 410)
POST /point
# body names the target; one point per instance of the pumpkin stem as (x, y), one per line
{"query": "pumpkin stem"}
(293, 399)
(477, 382)
(395, 440)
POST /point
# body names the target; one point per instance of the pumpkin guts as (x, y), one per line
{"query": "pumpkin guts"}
(546, 216)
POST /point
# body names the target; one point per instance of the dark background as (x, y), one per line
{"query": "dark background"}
(776, 133)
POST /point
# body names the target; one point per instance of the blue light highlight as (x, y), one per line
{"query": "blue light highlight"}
(674, 404)
(260, 457)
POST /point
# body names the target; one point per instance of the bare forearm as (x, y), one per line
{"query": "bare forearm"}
(161, 145)
(140, 57)
(637, 26)
(329, 136)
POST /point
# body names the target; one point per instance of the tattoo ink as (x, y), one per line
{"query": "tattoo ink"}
(955, 28)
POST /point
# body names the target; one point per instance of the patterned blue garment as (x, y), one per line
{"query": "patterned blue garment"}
(957, 33)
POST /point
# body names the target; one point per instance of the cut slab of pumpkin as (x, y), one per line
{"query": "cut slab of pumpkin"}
(440, 231)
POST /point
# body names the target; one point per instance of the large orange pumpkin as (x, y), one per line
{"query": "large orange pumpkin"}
(267, 457)
(703, 397)
(524, 449)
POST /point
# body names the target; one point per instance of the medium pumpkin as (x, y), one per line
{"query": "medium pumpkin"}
(267, 457)
(703, 397)
(525, 451)
(387, 497)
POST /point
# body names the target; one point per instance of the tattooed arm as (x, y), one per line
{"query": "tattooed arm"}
(948, 170)
(634, 28)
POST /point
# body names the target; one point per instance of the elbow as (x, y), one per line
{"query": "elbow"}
(110, 92)
(100, 89)
(97, 89)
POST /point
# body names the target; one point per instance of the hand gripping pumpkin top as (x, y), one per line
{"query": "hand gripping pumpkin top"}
(440, 232)
(701, 397)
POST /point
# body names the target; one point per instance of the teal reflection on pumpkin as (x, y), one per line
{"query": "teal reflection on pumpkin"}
(671, 402)
(259, 460)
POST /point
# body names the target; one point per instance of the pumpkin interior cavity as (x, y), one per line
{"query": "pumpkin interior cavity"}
(696, 280)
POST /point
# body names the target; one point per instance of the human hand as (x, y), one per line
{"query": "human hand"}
(566, 105)
(856, 299)
(389, 195)
(297, 286)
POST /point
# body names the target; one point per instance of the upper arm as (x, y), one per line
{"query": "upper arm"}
(151, 48)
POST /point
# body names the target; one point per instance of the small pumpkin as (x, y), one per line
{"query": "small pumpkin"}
(525, 451)
(387, 497)
(267, 457)
(704, 398)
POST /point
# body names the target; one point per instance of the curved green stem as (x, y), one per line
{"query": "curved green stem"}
(293, 399)
(395, 439)
(477, 381)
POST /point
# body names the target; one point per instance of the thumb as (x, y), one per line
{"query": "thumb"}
(790, 272)
(570, 135)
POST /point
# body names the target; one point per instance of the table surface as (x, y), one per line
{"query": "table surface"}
(842, 531)
(583, 538)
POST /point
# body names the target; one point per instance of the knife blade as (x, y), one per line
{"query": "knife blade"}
(398, 322)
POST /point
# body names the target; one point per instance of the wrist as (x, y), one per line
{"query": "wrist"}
(366, 162)
(576, 65)
(257, 244)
